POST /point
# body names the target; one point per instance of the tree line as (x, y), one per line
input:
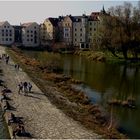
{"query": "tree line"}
(120, 30)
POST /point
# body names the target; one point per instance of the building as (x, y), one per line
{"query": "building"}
(49, 31)
(18, 34)
(93, 29)
(30, 34)
(67, 24)
(6, 33)
(80, 24)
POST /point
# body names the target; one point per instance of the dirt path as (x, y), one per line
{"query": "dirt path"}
(42, 119)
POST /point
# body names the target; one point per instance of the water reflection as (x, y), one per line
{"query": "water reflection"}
(109, 81)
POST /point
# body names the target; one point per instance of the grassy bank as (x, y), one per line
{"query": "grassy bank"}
(107, 57)
(58, 88)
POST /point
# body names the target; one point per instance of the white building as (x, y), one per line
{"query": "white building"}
(30, 34)
(6, 33)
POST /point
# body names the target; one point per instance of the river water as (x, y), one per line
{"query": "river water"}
(103, 82)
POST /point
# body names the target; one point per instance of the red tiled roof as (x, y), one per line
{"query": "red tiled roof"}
(1, 23)
(27, 24)
(94, 16)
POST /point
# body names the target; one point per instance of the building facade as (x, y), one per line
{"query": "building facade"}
(6, 33)
(80, 32)
(93, 29)
(67, 24)
(49, 31)
(30, 34)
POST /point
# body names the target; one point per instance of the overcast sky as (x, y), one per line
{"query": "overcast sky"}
(17, 12)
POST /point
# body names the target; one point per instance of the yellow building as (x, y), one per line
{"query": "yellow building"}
(49, 31)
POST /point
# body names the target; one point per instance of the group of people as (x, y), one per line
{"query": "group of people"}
(19, 130)
(25, 87)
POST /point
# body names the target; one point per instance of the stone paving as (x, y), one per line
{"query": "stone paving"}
(42, 119)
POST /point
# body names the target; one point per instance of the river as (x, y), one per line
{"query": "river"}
(102, 82)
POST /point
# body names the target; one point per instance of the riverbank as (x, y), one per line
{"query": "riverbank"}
(73, 103)
(107, 57)
(41, 118)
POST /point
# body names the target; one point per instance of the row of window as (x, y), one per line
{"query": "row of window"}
(31, 31)
(6, 31)
(89, 29)
(80, 34)
(30, 35)
(77, 40)
(30, 40)
(66, 35)
(6, 34)
(6, 39)
(6, 26)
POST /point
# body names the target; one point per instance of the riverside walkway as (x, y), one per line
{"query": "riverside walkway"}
(41, 118)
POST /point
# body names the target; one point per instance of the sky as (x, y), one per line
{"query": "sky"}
(16, 12)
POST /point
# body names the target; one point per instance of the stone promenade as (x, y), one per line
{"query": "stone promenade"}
(41, 118)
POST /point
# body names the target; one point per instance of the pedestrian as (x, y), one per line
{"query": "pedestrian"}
(20, 87)
(18, 66)
(15, 66)
(25, 87)
(29, 86)
(7, 59)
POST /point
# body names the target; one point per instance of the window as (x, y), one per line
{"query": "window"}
(2, 34)
(81, 29)
(7, 26)
(80, 34)
(94, 29)
(27, 31)
(6, 39)
(10, 34)
(10, 31)
(75, 34)
(27, 35)
(27, 39)
(31, 31)
(2, 31)
(75, 29)
(6, 31)
(35, 27)
(4, 26)
(75, 39)
(10, 39)
(2, 39)
(31, 40)
(80, 40)
(6, 34)
(90, 23)
(31, 35)
(90, 29)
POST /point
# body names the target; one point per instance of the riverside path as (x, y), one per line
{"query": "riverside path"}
(41, 118)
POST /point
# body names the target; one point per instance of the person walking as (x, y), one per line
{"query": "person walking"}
(25, 87)
(7, 59)
(20, 87)
(29, 87)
